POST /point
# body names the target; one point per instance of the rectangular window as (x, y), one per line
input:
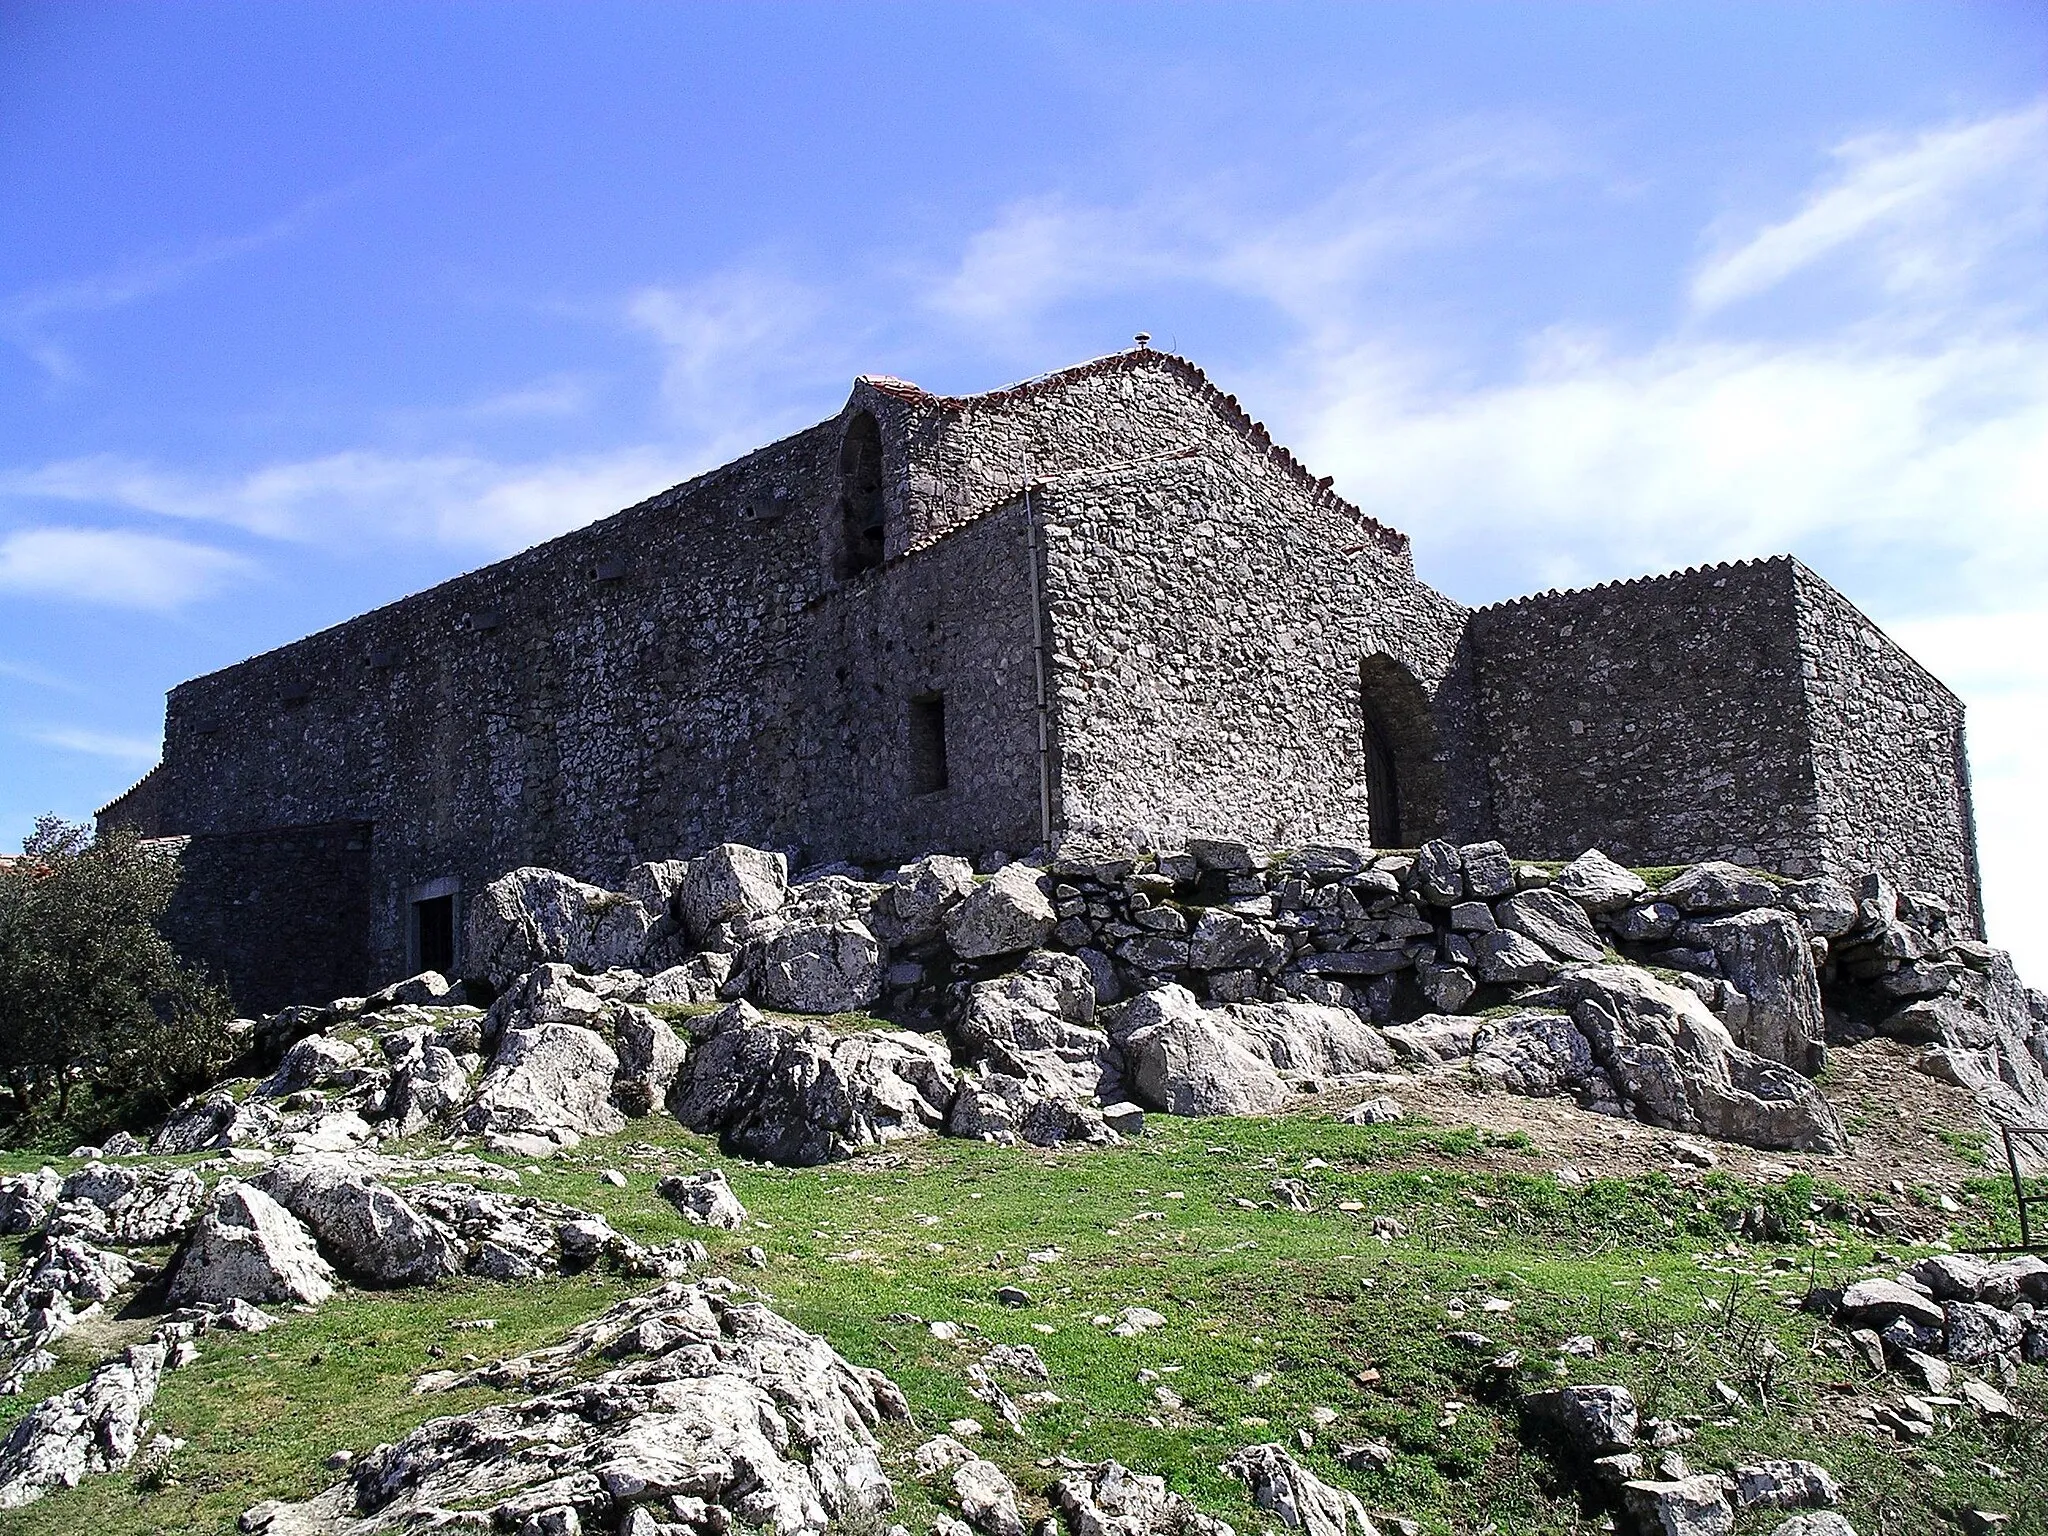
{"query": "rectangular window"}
(434, 933)
(927, 743)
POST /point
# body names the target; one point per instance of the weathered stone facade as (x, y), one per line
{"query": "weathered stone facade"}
(1102, 605)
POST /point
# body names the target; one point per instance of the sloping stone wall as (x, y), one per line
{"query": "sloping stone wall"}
(1892, 781)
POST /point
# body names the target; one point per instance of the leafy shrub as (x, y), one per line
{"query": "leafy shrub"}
(92, 996)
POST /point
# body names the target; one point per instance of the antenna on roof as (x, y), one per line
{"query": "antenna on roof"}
(1144, 339)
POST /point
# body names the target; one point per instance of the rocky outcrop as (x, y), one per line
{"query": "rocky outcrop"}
(548, 1081)
(532, 916)
(1242, 1059)
(1675, 1064)
(130, 1205)
(248, 1247)
(94, 1427)
(369, 1230)
(799, 1094)
(1108, 1499)
(716, 1407)
(820, 967)
(1295, 1496)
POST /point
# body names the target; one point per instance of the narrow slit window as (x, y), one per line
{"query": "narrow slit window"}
(434, 933)
(927, 743)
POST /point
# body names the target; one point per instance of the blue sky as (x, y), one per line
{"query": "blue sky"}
(303, 307)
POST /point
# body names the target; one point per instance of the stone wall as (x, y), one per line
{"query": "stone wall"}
(281, 915)
(1208, 626)
(1661, 720)
(1892, 780)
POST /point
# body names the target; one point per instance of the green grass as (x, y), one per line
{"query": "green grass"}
(1339, 1318)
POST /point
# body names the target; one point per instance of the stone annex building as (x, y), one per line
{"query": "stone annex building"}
(1101, 603)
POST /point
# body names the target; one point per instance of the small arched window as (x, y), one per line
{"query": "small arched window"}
(863, 515)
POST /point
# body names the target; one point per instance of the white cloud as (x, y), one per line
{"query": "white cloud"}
(1594, 465)
(1921, 211)
(116, 567)
(464, 501)
(125, 749)
(1998, 662)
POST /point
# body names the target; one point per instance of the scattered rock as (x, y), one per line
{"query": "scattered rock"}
(1787, 1484)
(1688, 1506)
(1295, 1496)
(988, 1499)
(1598, 884)
(1380, 1111)
(704, 1198)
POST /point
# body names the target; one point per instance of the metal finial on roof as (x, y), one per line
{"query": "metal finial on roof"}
(1144, 339)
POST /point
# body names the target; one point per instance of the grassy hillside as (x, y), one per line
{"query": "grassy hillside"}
(1334, 1323)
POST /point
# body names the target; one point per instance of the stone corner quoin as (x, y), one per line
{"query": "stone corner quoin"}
(1101, 606)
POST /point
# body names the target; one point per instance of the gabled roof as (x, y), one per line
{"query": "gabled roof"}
(1252, 431)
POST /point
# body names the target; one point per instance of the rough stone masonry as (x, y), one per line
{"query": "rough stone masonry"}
(1103, 604)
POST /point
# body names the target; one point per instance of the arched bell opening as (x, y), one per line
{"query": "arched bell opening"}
(863, 513)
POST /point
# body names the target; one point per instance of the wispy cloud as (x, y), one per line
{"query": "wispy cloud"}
(1918, 212)
(36, 677)
(125, 749)
(1310, 261)
(27, 315)
(116, 567)
(463, 501)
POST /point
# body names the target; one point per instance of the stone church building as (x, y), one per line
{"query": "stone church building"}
(1102, 604)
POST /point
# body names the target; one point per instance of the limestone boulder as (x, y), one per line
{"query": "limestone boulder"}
(317, 1061)
(651, 1057)
(1000, 1108)
(247, 1246)
(704, 1198)
(658, 886)
(696, 980)
(820, 967)
(548, 1080)
(26, 1200)
(1243, 1059)
(798, 1094)
(912, 912)
(427, 1088)
(731, 881)
(1686, 1506)
(142, 1206)
(1552, 920)
(1295, 1496)
(95, 1427)
(1006, 914)
(1717, 886)
(215, 1121)
(370, 1230)
(1038, 1023)
(531, 917)
(1765, 954)
(1599, 884)
(1533, 1053)
(426, 990)
(1591, 1421)
(1677, 1066)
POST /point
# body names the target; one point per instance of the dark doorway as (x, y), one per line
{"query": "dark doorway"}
(1404, 776)
(927, 743)
(863, 514)
(434, 933)
(1382, 784)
